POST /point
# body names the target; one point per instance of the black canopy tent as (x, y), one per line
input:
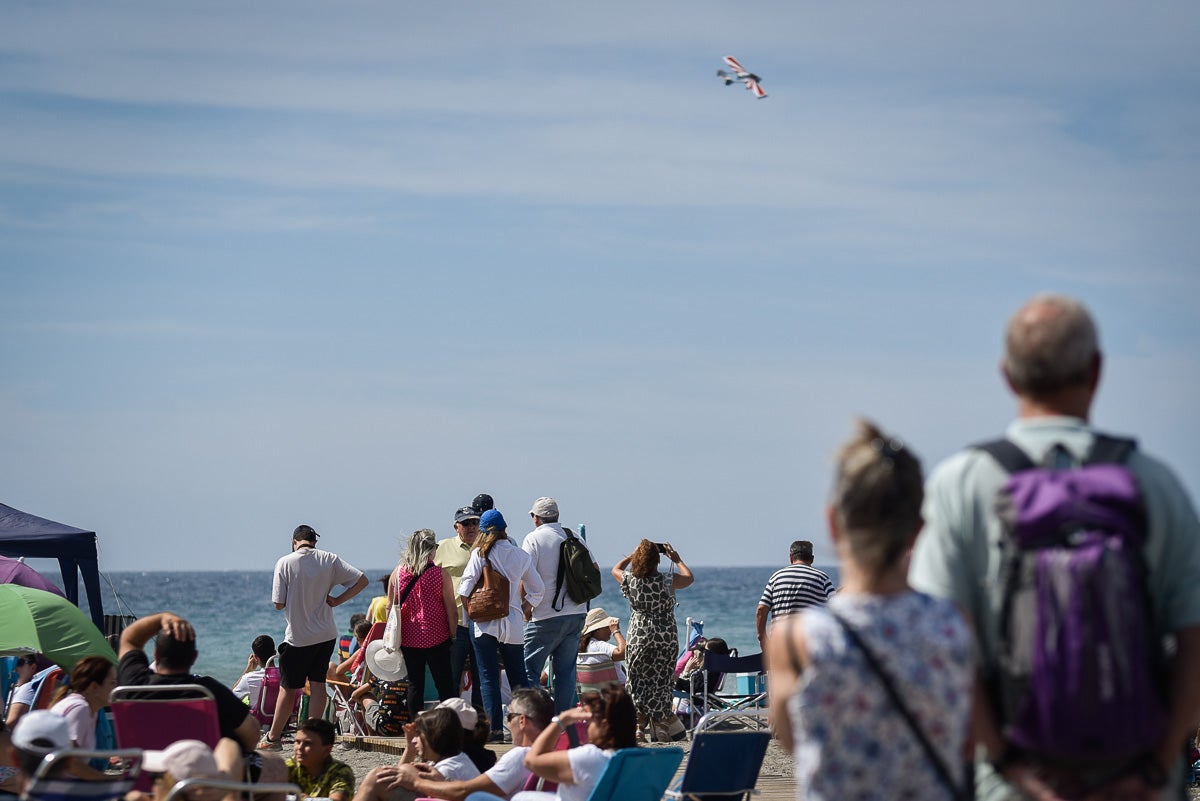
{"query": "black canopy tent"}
(23, 534)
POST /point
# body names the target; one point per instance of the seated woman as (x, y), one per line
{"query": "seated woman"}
(437, 737)
(612, 724)
(92, 681)
(594, 645)
(384, 694)
(693, 667)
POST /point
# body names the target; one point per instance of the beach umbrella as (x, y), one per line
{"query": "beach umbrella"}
(38, 621)
(14, 571)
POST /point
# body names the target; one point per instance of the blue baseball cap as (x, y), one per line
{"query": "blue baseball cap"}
(492, 519)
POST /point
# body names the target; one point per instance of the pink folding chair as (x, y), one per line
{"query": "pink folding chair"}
(153, 716)
(263, 707)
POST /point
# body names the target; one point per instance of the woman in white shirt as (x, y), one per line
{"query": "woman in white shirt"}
(594, 645)
(612, 724)
(437, 737)
(503, 638)
(92, 681)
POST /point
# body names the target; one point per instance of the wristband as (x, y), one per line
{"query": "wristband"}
(558, 722)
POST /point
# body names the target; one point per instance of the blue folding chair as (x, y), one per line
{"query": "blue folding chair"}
(723, 765)
(637, 774)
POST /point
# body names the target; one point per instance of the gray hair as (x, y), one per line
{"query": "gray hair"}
(877, 496)
(419, 551)
(1050, 345)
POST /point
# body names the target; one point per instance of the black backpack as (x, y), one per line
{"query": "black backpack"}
(577, 573)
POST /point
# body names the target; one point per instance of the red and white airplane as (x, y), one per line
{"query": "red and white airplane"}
(740, 73)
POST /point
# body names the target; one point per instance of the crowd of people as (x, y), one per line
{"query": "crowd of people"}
(905, 682)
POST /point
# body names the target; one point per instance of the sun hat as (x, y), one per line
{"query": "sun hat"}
(492, 519)
(596, 619)
(467, 715)
(40, 732)
(465, 513)
(185, 759)
(384, 664)
(544, 507)
(482, 503)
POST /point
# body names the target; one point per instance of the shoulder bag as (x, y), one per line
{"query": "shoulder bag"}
(489, 598)
(391, 630)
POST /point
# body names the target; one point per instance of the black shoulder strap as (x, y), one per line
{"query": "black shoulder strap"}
(555, 603)
(407, 590)
(1107, 449)
(935, 759)
(1006, 452)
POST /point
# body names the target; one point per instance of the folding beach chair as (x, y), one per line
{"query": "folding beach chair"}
(152, 716)
(48, 682)
(637, 774)
(751, 701)
(263, 706)
(346, 718)
(722, 765)
(593, 674)
(49, 784)
(246, 790)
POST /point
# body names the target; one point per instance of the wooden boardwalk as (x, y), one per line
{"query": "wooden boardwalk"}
(773, 785)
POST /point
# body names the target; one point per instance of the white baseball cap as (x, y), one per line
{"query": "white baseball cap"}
(40, 732)
(545, 507)
(467, 715)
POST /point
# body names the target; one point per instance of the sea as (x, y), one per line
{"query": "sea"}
(230, 608)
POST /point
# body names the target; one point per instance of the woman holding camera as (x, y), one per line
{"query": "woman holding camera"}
(653, 640)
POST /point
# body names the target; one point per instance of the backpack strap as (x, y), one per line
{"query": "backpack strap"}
(1008, 454)
(559, 600)
(1107, 449)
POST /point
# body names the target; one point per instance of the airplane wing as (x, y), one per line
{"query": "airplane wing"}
(756, 88)
(733, 64)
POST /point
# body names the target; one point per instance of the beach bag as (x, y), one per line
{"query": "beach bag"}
(1078, 678)
(577, 573)
(489, 598)
(391, 630)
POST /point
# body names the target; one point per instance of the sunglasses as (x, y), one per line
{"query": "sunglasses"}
(509, 717)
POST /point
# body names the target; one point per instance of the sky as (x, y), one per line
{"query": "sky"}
(350, 264)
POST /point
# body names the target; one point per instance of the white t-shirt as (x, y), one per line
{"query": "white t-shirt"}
(249, 685)
(596, 650)
(542, 544)
(587, 763)
(303, 580)
(509, 773)
(81, 722)
(458, 768)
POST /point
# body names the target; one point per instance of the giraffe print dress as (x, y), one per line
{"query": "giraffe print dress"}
(652, 642)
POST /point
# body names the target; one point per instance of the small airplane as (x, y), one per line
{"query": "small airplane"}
(742, 74)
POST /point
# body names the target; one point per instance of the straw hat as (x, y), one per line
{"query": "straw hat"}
(596, 619)
(384, 664)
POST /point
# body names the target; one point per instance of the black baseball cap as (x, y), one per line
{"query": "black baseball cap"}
(306, 533)
(465, 513)
(482, 503)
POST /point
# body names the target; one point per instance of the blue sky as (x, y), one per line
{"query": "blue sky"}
(351, 264)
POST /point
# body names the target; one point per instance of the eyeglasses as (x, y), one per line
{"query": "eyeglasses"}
(469, 524)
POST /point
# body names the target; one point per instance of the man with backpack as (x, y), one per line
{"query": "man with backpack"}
(1075, 556)
(555, 624)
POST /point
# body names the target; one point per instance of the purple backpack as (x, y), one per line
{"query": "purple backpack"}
(1078, 678)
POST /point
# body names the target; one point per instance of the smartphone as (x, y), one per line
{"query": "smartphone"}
(662, 547)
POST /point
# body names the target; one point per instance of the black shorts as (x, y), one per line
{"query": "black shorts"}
(298, 663)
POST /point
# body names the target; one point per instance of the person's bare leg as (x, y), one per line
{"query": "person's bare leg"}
(228, 756)
(283, 710)
(318, 695)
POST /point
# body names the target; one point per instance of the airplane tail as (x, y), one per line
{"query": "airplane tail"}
(725, 77)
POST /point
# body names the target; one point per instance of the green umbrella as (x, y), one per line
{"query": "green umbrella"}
(38, 621)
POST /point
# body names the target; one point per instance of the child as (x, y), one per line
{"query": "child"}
(847, 734)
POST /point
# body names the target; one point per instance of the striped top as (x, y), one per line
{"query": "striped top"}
(795, 587)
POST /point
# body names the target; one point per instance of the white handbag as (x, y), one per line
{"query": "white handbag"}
(391, 629)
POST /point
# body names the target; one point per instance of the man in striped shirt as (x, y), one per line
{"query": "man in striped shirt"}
(792, 588)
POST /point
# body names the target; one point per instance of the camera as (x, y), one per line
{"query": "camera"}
(662, 547)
